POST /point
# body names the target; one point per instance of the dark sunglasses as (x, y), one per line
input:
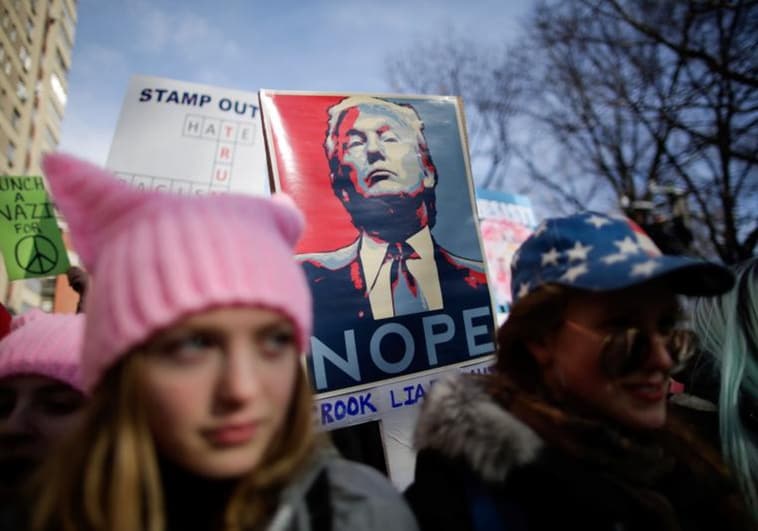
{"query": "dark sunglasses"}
(626, 350)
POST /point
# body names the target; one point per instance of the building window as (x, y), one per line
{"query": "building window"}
(2, 52)
(10, 153)
(50, 139)
(58, 90)
(6, 19)
(12, 35)
(21, 90)
(29, 27)
(61, 61)
(26, 60)
(67, 17)
(58, 112)
(15, 118)
(7, 67)
(66, 36)
(68, 26)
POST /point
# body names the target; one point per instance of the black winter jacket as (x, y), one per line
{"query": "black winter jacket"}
(480, 466)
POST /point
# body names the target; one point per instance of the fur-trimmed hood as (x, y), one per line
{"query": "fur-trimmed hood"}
(461, 421)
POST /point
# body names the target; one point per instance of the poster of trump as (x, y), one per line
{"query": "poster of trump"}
(391, 248)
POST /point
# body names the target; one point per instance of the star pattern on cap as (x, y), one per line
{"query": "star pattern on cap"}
(591, 251)
(523, 290)
(614, 258)
(645, 269)
(578, 252)
(573, 272)
(627, 246)
(597, 221)
(551, 257)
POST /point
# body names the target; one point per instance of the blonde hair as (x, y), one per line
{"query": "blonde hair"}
(105, 477)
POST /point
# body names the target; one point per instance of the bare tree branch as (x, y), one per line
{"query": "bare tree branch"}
(623, 103)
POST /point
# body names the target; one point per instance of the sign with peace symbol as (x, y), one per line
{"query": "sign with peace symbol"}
(36, 254)
(31, 243)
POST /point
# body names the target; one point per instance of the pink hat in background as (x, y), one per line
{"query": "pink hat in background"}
(156, 257)
(44, 344)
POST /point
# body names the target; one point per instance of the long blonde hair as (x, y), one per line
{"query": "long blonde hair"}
(105, 476)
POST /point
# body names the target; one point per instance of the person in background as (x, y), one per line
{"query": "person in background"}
(570, 430)
(41, 395)
(728, 330)
(200, 416)
(78, 279)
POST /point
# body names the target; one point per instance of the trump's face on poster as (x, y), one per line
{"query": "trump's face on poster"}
(378, 152)
(381, 167)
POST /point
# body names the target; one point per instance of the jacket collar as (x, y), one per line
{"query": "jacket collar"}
(461, 421)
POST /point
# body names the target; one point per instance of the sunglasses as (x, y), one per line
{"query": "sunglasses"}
(627, 349)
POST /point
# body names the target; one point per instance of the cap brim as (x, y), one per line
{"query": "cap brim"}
(685, 276)
(694, 278)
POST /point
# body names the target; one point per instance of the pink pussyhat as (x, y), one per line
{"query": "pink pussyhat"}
(44, 344)
(156, 258)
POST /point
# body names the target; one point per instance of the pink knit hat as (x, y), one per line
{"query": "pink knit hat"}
(44, 344)
(156, 257)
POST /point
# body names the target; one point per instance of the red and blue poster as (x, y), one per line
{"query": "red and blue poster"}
(506, 220)
(391, 247)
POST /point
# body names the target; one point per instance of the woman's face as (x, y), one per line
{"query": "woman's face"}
(36, 412)
(572, 362)
(218, 386)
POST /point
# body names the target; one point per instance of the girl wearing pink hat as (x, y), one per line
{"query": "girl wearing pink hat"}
(201, 415)
(41, 391)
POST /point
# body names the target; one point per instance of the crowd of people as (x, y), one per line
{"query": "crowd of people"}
(178, 400)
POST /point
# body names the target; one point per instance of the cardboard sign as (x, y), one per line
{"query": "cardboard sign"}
(30, 239)
(506, 220)
(189, 138)
(372, 403)
(391, 248)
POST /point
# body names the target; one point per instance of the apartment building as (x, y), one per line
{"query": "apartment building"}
(36, 43)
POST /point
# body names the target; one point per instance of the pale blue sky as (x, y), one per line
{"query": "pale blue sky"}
(320, 45)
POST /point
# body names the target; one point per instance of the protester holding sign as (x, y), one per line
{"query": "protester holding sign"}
(201, 416)
(41, 396)
(571, 429)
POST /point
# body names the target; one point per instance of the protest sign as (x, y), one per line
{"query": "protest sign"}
(506, 220)
(189, 138)
(391, 247)
(374, 402)
(30, 239)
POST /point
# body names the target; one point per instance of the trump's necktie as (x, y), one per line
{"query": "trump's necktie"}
(406, 292)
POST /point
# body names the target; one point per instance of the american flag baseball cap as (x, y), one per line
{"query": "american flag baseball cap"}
(598, 252)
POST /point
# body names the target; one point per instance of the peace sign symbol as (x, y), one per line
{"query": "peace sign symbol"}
(36, 254)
